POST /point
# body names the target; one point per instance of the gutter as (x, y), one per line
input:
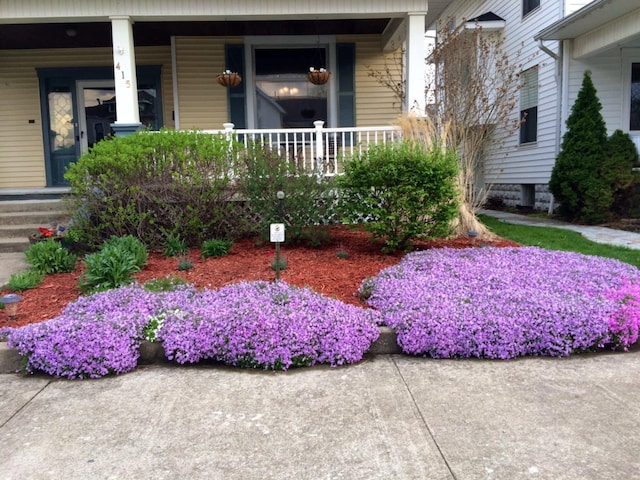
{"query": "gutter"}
(548, 51)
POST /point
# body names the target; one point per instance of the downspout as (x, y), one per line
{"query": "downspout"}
(558, 61)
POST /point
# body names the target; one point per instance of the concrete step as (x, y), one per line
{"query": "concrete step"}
(9, 231)
(56, 205)
(42, 219)
(14, 244)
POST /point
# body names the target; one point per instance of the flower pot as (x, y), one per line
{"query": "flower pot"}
(318, 77)
(229, 79)
(35, 239)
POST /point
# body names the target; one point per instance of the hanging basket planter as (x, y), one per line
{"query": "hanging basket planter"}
(318, 77)
(229, 79)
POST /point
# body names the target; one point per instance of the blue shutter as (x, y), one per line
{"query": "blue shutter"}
(234, 60)
(346, 63)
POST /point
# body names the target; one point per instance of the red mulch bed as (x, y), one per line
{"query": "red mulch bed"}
(318, 268)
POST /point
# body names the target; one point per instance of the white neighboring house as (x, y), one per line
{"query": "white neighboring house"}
(559, 40)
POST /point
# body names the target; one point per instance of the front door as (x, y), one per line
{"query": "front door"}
(79, 108)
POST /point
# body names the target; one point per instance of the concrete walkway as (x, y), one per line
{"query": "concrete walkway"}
(595, 234)
(387, 417)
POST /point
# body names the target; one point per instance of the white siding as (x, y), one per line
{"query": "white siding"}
(606, 73)
(513, 163)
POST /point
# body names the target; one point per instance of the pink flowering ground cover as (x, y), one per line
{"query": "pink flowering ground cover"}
(507, 302)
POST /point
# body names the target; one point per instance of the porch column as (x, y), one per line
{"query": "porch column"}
(126, 83)
(415, 63)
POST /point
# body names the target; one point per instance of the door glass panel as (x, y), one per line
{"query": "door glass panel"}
(100, 113)
(284, 96)
(634, 118)
(62, 136)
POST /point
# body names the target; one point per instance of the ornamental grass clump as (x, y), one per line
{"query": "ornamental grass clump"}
(507, 302)
(268, 325)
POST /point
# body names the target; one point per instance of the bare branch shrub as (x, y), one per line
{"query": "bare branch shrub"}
(472, 96)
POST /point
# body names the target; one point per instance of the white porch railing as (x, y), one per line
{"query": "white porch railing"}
(315, 149)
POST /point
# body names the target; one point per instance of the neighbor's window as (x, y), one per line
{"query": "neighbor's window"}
(529, 106)
(634, 115)
(528, 6)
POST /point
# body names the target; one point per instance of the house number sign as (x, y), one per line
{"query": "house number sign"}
(127, 81)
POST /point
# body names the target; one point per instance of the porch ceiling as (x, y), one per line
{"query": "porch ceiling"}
(61, 35)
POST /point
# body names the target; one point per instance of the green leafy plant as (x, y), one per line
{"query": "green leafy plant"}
(174, 245)
(184, 263)
(278, 263)
(215, 248)
(132, 245)
(308, 201)
(401, 191)
(109, 268)
(342, 253)
(165, 284)
(114, 264)
(25, 280)
(50, 257)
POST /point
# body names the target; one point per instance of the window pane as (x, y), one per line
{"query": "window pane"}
(529, 127)
(634, 117)
(284, 96)
(529, 5)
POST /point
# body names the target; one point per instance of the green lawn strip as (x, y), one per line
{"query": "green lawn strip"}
(559, 239)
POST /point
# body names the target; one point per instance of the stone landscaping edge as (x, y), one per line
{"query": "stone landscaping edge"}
(153, 353)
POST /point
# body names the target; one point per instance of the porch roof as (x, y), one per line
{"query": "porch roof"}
(589, 18)
(76, 23)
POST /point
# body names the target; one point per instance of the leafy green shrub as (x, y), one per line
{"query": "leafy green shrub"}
(184, 263)
(114, 264)
(50, 257)
(108, 268)
(577, 179)
(174, 245)
(402, 191)
(308, 201)
(617, 169)
(25, 280)
(130, 244)
(148, 184)
(215, 248)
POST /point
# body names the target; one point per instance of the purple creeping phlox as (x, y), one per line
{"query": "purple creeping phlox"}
(94, 336)
(268, 325)
(507, 302)
(248, 324)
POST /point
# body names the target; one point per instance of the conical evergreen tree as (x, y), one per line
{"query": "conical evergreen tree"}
(576, 180)
(621, 157)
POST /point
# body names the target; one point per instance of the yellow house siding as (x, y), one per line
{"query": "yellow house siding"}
(21, 144)
(375, 104)
(202, 102)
